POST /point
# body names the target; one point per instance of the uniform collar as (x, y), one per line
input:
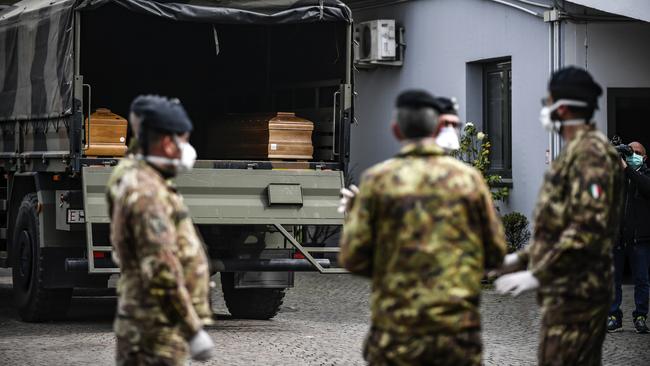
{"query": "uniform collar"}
(422, 147)
(154, 170)
(581, 133)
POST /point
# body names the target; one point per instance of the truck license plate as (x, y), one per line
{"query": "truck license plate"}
(76, 216)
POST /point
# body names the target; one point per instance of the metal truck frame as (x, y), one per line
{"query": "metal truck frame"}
(251, 214)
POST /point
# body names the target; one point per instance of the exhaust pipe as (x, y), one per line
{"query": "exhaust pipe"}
(76, 265)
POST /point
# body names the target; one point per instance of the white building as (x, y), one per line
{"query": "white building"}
(496, 56)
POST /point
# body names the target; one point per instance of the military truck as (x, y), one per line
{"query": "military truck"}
(63, 59)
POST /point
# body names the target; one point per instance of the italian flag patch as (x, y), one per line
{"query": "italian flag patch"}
(596, 191)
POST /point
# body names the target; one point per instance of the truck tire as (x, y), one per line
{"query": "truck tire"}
(34, 302)
(250, 303)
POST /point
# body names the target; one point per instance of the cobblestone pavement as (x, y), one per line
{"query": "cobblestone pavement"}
(322, 322)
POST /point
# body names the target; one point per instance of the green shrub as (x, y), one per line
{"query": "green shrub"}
(516, 228)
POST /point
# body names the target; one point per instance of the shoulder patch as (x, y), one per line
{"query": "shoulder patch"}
(596, 190)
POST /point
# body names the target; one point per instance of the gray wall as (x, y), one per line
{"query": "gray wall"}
(442, 36)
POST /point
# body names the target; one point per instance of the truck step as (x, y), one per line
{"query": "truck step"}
(3, 258)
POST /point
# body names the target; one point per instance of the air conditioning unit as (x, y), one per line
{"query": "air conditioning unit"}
(376, 41)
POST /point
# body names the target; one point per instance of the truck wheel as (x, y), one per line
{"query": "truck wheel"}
(250, 303)
(35, 303)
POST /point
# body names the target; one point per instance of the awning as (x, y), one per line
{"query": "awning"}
(635, 9)
(236, 11)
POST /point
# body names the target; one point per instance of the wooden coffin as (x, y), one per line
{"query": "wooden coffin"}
(105, 134)
(282, 136)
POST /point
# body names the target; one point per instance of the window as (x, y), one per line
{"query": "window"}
(497, 114)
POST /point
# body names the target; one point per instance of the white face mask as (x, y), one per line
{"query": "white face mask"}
(554, 126)
(188, 157)
(182, 165)
(448, 139)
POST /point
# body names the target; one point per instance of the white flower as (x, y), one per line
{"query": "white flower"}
(469, 124)
(480, 136)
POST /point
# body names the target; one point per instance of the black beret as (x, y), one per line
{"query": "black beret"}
(415, 98)
(448, 106)
(163, 114)
(574, 83)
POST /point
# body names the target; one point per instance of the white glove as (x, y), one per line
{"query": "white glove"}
(201, 346)
(347, 197)
(510, 260)
(516, 283)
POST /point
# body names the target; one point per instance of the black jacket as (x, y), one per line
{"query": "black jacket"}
(635, 224)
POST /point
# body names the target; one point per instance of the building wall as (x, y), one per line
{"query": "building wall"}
(442, 36)
(617, 54)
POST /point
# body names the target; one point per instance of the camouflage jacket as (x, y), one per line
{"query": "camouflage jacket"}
(424, 228)
(164, 280)
(576, 222)
(125, 165)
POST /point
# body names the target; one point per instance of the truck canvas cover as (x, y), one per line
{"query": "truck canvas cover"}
(37, 42)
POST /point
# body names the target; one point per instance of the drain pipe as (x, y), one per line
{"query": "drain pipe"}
(554, 18)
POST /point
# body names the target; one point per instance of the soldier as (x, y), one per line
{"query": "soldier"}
(423, 227)
(164, 285)
(576, 221)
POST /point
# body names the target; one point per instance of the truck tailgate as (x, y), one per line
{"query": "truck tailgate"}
(240, 196)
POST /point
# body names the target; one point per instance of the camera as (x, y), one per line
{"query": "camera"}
(622, 149)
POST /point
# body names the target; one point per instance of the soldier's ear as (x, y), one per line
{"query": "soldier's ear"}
(397, 132)
(169, 146)
(562, 112)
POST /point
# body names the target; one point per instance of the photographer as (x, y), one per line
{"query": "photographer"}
(634, 239)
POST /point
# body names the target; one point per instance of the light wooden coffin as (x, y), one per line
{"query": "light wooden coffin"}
(105, 134)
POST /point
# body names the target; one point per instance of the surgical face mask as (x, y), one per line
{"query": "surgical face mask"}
(551, 125)
(448, 138)
(634, 161)
(184, 164)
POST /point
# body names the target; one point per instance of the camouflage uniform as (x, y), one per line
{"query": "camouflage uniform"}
(424, 228)
(164, 284)
(576, 222)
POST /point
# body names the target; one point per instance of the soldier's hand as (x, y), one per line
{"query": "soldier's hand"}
(623, 163)
(347, 197)
(516, 283)
(201, 346)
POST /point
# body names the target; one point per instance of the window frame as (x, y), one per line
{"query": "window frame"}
(503, 64)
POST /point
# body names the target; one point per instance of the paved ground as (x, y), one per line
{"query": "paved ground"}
(322, 322)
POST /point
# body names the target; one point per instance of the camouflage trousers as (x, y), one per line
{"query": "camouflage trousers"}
(384, 348)
(148, 346)
(573, 343)
(126, 356)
